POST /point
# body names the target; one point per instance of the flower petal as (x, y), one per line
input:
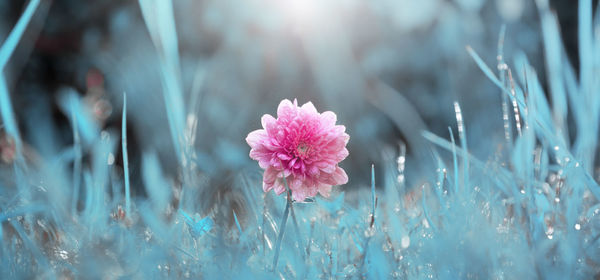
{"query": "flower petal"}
(285, 108)
(254, 138)
(339, 176)
(283, 156)
(328, 119)
(270, 175)
(299, 195)
(267, 187)
(336, 178)
(325, 190)
(341, 155)
(308, 107)
(279, 187)
(267, 120)
(326, 167)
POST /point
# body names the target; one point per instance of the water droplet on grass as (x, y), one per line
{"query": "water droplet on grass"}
(62, 254)
(111, 159)
(405, 242)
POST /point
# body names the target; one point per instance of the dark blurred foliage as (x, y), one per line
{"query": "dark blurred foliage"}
(101, 49)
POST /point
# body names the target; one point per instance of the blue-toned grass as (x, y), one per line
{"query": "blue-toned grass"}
(532, 212)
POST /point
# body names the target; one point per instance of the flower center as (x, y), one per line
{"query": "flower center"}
(302, 150)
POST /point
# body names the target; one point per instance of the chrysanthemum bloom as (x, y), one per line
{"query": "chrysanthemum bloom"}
(303, 146)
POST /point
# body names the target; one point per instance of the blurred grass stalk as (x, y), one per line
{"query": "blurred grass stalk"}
(6, 51)
(160, 21)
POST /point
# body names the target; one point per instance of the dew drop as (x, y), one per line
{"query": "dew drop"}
(400, 178)
(397, 208)
(386, 247)
(369, 232)
(63, 254)
(401, 160)
(111, 159)
(405, 241)
(502, 228)
(425, 223)
(148, 234)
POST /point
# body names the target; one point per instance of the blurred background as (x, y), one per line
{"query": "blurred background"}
(388, 68)
(187, 80)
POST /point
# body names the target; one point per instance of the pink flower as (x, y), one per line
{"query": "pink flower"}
(303, 146)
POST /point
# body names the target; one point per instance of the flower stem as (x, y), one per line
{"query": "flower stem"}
(289, 193)
(282, 230)
(297, 228)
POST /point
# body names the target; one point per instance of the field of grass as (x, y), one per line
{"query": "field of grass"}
(530, 209)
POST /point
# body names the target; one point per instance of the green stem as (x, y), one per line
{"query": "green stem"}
(282, 230)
